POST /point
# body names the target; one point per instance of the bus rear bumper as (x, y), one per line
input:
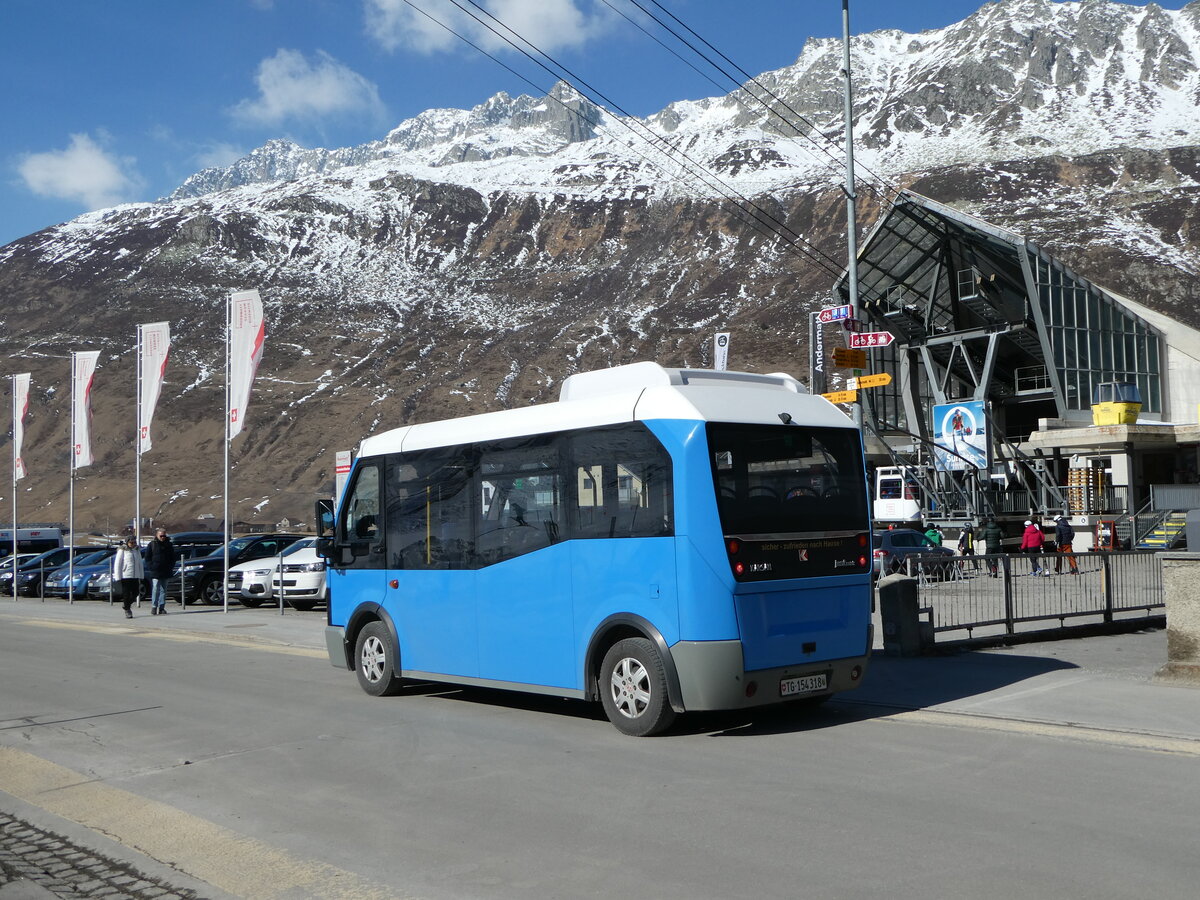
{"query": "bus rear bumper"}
(711, 677)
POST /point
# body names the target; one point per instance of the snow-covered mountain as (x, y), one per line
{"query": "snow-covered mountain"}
(470, 259)
(1017, 80)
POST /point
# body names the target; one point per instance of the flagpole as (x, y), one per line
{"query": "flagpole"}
(14, 486)
(228, 401)
(70, 496)
(137, 446)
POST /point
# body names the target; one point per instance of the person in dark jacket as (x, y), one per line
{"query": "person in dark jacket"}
(993, 539)
(1064, 534)
(160, 562)
(966, 543)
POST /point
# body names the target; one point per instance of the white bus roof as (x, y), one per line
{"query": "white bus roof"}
(635, 392)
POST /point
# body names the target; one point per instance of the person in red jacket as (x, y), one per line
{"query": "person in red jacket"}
(1031, 543)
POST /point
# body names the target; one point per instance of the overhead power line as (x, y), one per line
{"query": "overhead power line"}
(877, 183)
(777, 227)
(765, 224)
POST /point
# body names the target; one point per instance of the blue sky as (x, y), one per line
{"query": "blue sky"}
(120, 101)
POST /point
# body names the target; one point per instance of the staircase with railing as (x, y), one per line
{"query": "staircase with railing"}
(1167, 532)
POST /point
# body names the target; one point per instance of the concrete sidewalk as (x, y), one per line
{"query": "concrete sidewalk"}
(1104, 682)
(264, 625)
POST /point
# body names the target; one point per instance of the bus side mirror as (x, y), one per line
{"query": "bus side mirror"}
(323, 517)
(325, 547)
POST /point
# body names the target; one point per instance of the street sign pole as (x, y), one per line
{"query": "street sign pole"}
(851, 217)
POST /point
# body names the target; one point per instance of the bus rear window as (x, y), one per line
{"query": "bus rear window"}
(787, 479)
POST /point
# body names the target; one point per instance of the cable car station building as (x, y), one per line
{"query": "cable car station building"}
(1001, 358)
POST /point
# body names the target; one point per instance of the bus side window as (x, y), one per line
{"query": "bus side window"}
(429, 509)
(521, 498)
(621, 483)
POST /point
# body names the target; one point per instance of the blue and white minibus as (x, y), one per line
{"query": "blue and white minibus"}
(660, 540)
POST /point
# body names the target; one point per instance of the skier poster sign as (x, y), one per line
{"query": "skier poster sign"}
(247, 333)
(960, 434)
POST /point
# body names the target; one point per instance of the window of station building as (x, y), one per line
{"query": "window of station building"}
(429, 509)
(522, 481)
(620, 482)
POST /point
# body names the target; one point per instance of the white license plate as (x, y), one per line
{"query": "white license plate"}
(806, 684)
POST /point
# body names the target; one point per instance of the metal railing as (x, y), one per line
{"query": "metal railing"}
(998, 594)
(1167, 497)
(1109, 499)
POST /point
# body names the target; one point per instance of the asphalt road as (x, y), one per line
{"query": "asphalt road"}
(226, 751)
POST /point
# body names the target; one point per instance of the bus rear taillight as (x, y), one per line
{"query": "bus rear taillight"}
(739, 568)
(733, 546)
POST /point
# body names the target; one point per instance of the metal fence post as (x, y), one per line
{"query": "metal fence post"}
(1106, 585)
(1009, 624)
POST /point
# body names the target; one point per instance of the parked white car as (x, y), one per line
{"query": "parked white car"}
(303, 577)
(250, 582)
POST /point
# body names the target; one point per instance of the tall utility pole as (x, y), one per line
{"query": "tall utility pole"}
(851, 217)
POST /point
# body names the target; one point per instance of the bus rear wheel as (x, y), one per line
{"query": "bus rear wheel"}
(375, 661)
(633, 688)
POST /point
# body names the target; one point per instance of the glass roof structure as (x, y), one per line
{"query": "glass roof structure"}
(980, 313)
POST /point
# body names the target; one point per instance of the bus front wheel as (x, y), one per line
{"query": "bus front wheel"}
(633, 688)
(375, 661)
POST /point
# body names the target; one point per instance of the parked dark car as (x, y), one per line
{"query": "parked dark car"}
(188, 545)
(72, 581)
(31, 573)
(891, 548)
(201, 575)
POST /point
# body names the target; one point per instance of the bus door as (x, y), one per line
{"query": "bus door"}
(431, 560)
(359, 575)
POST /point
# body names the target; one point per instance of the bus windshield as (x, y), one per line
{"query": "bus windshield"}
(787, 479)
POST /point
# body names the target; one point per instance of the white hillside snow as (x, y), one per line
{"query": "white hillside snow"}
(1018, 79)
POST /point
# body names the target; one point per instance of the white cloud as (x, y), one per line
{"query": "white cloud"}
(551, 25)
(292, 88)
(84, 173)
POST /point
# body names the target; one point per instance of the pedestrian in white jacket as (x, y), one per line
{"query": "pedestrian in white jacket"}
(127, 569)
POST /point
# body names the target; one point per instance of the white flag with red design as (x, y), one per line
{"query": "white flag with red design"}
(155, 345)
(20, 407)
(83, 368)
(247, 333)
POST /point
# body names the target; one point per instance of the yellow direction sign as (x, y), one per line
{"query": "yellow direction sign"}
(850, 359)
(879, 379)
(841, 396)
